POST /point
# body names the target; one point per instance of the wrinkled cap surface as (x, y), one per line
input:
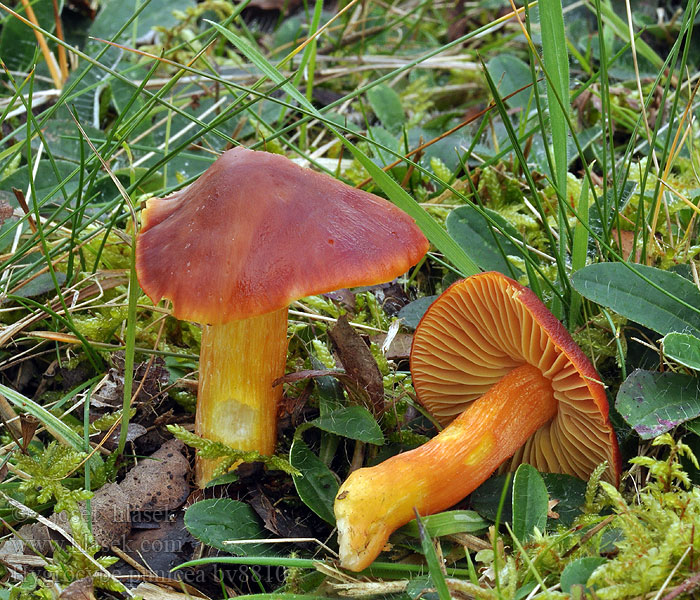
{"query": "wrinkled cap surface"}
(256, 232)
(483, 327)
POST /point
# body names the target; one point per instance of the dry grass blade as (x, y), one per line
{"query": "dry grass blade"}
(48, 55)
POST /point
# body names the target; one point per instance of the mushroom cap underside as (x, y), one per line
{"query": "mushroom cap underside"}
(256, 231)
(484, 326)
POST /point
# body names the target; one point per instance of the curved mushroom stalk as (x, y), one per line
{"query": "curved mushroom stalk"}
(236, 403)
(374, 502)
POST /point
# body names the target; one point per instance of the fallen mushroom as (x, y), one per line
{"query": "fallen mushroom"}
(232, 251)
(489, 351)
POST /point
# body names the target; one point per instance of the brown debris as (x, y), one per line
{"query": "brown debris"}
(133, 432)
(399, 348)
(160, 482)
(160, 544)
(81, 589)
(358, 362)
(274, 519)
(5, 211)
(149, 379)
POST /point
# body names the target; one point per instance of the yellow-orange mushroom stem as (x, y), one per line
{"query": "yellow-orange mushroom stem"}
(374, 502)
(236, 402)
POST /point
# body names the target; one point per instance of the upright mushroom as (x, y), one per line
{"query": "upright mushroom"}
(235, 248)
(490, 352)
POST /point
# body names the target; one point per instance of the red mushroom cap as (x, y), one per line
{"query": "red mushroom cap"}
(484, 326)
(256, 231)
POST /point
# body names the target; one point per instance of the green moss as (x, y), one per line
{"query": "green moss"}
(114, 253)
(323, 354)
(105, 422)
(185, 399)
(653, 531)
(101, 324)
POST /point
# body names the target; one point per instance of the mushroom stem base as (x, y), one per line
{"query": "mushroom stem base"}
(374, 502)
(236, 402)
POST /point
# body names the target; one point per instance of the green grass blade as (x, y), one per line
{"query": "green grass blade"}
(431, 558)
(579, 249)
(377, 569)
(55, 426)
(556, 61)
(619, 26)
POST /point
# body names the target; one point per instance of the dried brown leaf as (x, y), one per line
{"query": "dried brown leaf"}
(81, 589)
(5, 211)
(358, 362)
(276, 520)
(159, 482)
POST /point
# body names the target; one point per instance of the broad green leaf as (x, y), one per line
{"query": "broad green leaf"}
(41, 284)
(567, 490)
(683, 348)
(354, 422)
(579, 571)
(18, 41)
(114, 13)
(524, 591)
(693, 426)
(317, 486)
(601, 223)
(511, 74)
(386, 104)
(447, 523)
(218, 520)
(418, 588)
(483, 242)
(530, 502)
(64, 138)
(45, 181)
(413, 312)
(383, 138)
(675, 309)
(653, 403)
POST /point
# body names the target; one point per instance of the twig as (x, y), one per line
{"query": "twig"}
(686, 587)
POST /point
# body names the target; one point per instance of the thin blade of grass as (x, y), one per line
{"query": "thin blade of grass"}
(620, 28)
(377, 569)
(431, 558)
(134, 292)
(556, 61)
(526, 172)
(579, 249)
(53, 424)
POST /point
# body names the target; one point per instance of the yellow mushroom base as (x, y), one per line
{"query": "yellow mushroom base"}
(374, 502)
(236, 403)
